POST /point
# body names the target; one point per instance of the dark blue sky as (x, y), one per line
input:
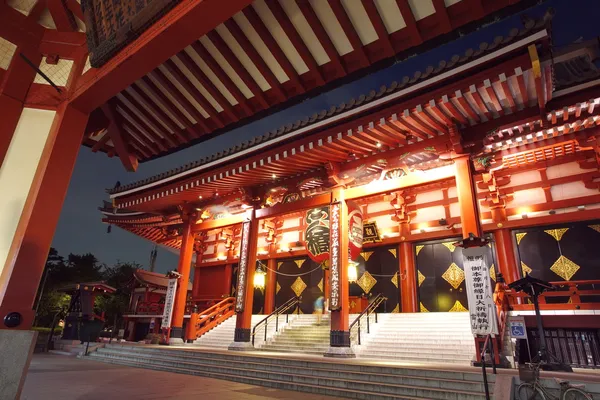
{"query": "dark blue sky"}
(80, 229)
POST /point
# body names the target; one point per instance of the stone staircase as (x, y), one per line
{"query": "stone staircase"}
(73, 348)
(420, 337)
(222, 335)
(341, 378)
(301, 335)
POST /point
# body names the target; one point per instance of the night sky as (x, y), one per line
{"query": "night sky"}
(80, 229)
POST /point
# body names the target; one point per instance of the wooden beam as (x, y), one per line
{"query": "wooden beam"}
(411, 23)
(63, 18)
(176, 30)
(75, 8)
(239, 69)
(442, 16)
(349, 31)
(67, 45)
(19, 29)
(380, 29)
(114, 130)
(303, 204)
(295, 38)
(322, 36)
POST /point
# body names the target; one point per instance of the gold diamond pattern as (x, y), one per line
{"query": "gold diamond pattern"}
(565, 268)
(520, 237)
(526, 270)
(394, 253)
(419, 248)
(366, 255)
(396, 309)
(279, 264)
(457, 307)
(420, 277)
(557, 233)
(454, 275)
(595, 227)
(450, 246)
(299, 263)
(366, 282)
(395, 279)
(493, 272)
(298, 286)
(278, 288)
(422, 308)
(320, 285)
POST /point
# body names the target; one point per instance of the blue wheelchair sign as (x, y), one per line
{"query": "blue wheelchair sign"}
(517, 331)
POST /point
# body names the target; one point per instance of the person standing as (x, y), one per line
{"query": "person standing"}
(319, 308)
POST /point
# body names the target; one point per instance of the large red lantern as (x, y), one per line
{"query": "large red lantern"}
(316, 236)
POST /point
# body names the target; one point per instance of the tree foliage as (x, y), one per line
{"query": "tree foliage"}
(78, 268)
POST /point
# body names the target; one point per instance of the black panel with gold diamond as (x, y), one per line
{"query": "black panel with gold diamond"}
(299, 276)
(569, 252)
(377, 272)
(441, 277)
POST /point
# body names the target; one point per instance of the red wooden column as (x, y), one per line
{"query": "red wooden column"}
(339, 339)
(227, 280)
(507, 260)
(183, 267)
(245, 284)
(27, 256)
(408, 278)
(469, 212)
(270, 286)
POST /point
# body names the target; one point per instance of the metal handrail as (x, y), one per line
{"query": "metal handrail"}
(280, 310)
(487, 345)
(372, 308)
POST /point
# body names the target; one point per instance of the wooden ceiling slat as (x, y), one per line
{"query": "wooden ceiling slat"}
(479, 101)
(208, 85)
(295, 38)
(257, 60)
(184, 81)
(223, 77)
(377, 23)
(274, 48)
(350, 32)
(322, 36)
(141, 124)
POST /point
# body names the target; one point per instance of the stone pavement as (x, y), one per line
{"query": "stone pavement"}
(67, 378)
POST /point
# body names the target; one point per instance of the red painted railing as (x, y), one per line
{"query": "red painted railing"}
(200, 323)
(574, 294)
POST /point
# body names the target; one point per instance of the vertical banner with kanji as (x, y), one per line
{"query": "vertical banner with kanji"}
(480, 293)
(169, 302)
(243, 267)
(335, 264)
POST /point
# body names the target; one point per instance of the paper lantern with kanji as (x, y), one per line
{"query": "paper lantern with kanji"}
(316, 236)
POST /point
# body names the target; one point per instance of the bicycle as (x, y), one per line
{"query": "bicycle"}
(535, 391)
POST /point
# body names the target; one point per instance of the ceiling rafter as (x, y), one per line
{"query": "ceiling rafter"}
(350, 32)
(130, 162)
(377, 23)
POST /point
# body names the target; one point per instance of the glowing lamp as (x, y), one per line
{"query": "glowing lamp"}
(352, 272)
(259, 277)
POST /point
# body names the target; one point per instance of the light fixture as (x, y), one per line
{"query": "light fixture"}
(259, 276)
(352, 271)
(216, 194)
(273, 176)
(378, 144)
(200, 197)
(581, 208)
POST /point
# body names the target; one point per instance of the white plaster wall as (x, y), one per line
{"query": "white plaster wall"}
(571, 191)
(380, 206)
(452, 193)
(524, 178)
(429, 214)
(18, 170)
(291, 222)
(290, 237)
(427, 197)
(454, 210)
(568, 169)
(524, 198)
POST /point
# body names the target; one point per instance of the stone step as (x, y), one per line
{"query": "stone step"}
(331, 383)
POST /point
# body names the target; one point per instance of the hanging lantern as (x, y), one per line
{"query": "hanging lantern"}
(259, 276)
(355, 230)
(352, 271)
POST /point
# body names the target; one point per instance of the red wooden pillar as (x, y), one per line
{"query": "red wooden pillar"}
(507, 260)
(26, 259)
(408, 278)
(270, 286)
(227, 280)
(339, 339)
(469, 212)
(183, 268)
(245, 289)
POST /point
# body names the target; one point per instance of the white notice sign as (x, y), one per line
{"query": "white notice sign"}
(480, 292)
(169, 301)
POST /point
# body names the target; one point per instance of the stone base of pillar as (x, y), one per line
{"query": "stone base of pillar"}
(241, 346)
(16, 347)
(176, 336)
(340, 352)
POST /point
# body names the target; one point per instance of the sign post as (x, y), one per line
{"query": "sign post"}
(168, 310)
(480, 293)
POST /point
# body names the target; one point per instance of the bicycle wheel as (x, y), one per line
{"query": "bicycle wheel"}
(576, 394)
(526, 391)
